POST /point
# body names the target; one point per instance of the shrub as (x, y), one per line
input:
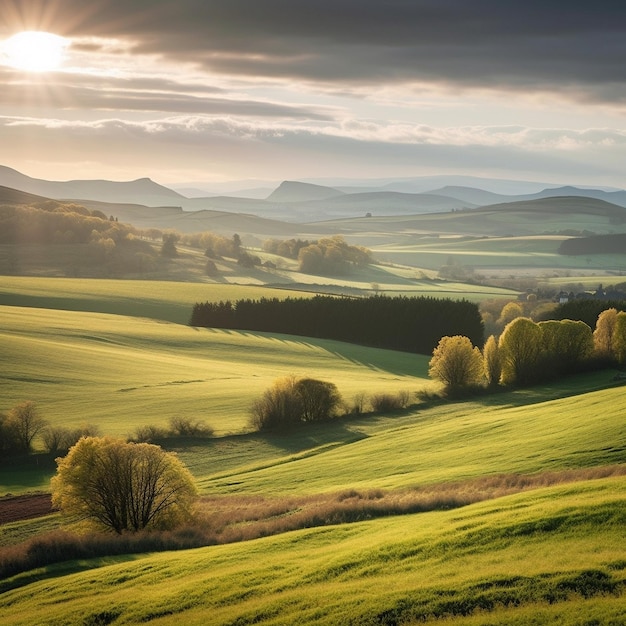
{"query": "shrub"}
(291, 401)
(384, 402)
(59, 439)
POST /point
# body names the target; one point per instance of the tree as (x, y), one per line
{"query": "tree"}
(278, 407)
(24, 423)
(168, 248)
(520, 347)
(567, 343)
(491, 359)
(319, 399)
(510, 311)
(123, 486)
(603, 334)
(456, 363)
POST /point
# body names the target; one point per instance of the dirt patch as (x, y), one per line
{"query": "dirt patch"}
(16, 508)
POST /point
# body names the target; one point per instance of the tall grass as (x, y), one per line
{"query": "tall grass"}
(229, 519)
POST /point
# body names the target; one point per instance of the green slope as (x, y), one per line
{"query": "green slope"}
(122, 372)
(555, 555)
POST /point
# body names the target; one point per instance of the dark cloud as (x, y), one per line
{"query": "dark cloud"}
(492, 43)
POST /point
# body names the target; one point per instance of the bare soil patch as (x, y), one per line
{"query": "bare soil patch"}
(16, 508)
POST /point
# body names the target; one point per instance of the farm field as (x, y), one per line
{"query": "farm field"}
(495, 253)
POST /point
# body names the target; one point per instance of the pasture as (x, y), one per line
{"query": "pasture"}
(119, 355)
(553, 555)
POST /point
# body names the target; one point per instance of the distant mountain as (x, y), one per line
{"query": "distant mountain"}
(292, 191)
(141, 191)
(566, 205)
(478, 197)
(614, 197)
(380, 203)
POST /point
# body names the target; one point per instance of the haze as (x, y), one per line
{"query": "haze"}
(205, 91)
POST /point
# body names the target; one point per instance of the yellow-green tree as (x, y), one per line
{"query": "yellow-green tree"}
(491, 360)
(603, 334)
(567, 343)
(520, 347)
(456, 363)
(123, 486)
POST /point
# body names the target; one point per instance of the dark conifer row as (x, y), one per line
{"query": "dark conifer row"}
(585, 309)
(400, 323)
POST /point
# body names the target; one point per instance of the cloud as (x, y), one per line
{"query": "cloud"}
(532, 45)
(231, 147)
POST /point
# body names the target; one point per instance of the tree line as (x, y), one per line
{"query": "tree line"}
(412, 324)
(326, 256)
(529, 352)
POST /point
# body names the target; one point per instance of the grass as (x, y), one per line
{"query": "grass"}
(538, 252)
(554, 554)
(488, 560)
(161, 300)
(120, 373)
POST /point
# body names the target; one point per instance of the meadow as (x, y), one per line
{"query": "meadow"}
(553, 553)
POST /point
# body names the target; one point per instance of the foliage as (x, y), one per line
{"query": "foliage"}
(291, 401)
(179, 428)
(401, 323)
(106, 244)
(386, 402)
(568, 344)
(510, 311)
(491, 361)
(603, 334)
(19, 428)
(456, 363)
(330, 255)
(168, 248)
(520, 347)
(60, 439)
(123, 486)
(319, 399)
(585, 309)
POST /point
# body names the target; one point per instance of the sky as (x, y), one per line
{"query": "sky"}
(207, 91)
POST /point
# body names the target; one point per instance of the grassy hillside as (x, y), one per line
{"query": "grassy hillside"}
(550, 556)
(121, 372)
(160, 300)
(118, 354)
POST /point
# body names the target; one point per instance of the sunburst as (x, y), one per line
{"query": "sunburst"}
(35, 51)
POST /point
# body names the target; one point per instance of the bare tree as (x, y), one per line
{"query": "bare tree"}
(25, 422)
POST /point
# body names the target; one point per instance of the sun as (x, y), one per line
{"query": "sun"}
(35, 51)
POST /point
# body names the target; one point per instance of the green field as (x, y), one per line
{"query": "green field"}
(548, 555)
(554, 555)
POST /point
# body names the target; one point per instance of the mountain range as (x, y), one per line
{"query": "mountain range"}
(367, 215)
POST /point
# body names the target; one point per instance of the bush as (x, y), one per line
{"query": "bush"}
(385, 402)
(180, 427)
(59, 439)
(291, 401)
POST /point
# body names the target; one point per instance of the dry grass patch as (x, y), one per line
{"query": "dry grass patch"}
(235, 518)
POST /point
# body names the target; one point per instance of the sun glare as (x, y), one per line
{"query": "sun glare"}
(35, 51)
